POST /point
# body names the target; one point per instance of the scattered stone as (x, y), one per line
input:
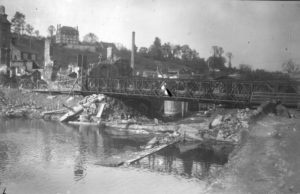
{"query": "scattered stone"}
(281, 184)
(51, 97)
(220, 135)
(227, 117)
(156, 121)
(70, 99)
(207, 113)
(217, 121)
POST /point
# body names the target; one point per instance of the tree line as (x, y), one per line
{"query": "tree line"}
(186, 55)
(20, 27)
(161, 51)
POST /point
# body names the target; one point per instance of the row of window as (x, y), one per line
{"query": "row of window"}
(25, 56)
(67, 39)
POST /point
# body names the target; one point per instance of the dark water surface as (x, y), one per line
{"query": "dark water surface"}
(48, 157)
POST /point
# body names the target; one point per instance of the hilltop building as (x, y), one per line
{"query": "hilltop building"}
(67, 35)
(5, 38)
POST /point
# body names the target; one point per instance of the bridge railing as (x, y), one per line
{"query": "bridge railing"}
(181, 89)
(218, 91)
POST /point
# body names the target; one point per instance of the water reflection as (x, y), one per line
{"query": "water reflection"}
(3, 156)
(80, 159)
(41, 151)
(197, 162)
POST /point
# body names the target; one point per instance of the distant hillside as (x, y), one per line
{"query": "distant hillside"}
(143, 63)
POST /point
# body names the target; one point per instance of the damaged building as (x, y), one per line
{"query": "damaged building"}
(63, 53)
(66, 35)
(26, 55)
(5, 37)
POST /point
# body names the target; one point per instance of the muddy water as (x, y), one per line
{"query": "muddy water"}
(48, 157)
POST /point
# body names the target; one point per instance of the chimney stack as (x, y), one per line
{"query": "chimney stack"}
(132, 51)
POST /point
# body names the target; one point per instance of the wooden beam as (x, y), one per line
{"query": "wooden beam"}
(147, 152)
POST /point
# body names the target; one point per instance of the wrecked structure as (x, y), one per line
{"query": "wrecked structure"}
(67, 35)
(5, 39)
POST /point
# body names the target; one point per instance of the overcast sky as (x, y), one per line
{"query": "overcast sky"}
(261, 33)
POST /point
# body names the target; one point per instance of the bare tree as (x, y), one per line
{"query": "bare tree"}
(290, 66)
(37, 33)
(230, 56)
(29, 29)
(217, 51)
(245, 68)
(18, 23)
(90, 38)
(217, 61)
(51, 30)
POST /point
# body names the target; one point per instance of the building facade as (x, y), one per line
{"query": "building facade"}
(23, 60)
(67, 35)
(5, 38)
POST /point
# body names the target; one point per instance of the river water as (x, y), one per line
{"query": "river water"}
(48, 157)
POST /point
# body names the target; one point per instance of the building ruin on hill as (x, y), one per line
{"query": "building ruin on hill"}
(67, 35)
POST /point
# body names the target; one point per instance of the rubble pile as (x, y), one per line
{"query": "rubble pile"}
(227, 127)
(89, 110)
(166, 138)
(117, 110)
(29, 110)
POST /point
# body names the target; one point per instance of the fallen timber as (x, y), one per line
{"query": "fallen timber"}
(60, 111)
(78, 109)
(135, 157)
(84, 123)
(147, 152)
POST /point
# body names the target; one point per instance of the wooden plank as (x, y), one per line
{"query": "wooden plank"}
(84, 123)
(146, 153)
(70, 114)
(60, 111)
(100, 111)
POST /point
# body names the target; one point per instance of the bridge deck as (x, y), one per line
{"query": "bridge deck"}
(215, 91)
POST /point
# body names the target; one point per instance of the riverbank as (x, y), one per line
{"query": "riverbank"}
(264, 160)
(31, 105)
(267, 161)
(213, 124)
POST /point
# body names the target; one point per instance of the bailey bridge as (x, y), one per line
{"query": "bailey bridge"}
(198, 90)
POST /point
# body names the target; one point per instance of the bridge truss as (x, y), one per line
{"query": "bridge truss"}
(214, 91)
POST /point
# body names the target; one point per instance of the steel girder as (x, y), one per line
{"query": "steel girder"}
(181, 89)
(216, 91)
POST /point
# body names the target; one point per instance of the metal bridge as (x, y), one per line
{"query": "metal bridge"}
(213, 91)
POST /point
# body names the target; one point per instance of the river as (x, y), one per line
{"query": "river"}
(49, 157)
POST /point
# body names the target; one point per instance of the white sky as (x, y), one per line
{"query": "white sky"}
(261, 33)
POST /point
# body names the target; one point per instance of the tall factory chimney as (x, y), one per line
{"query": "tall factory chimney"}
(132, 52)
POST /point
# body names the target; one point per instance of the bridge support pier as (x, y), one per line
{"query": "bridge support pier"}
(173, 108)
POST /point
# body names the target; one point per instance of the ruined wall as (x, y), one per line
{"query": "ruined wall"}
(5, 38)
(47, 57)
